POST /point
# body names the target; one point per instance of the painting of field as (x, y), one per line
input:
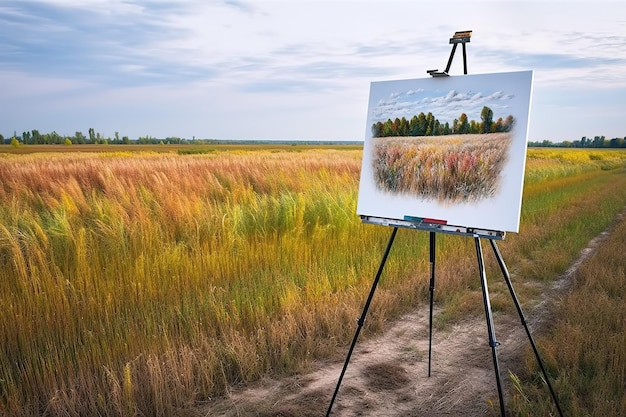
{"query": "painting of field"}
(448, 169)
(449, 148)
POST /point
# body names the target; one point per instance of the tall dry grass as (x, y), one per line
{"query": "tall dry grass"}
(146, 284)
(447, 169)
(584, 346)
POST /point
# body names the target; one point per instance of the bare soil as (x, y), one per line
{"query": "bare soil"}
(388, 374)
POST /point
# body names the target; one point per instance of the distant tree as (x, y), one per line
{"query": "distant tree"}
(387, 130)
(422, 124)
(463, 124)
(508, 124)
(80, 137)
(53, 138)
(92, 135)
(395, 127)
(474, 127)
(430, 124)
(598, 142)
(36, 139)
(583, 142)
(377, 129)
(498, 126)
(486, 115)
(403, 128)
(14, 142)
(455, 126)
(414, 126)
(1, 138)
(68, 142)
(437, 128)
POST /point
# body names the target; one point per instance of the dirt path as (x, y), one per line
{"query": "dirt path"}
(388, 375)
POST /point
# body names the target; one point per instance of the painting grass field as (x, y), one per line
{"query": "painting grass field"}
(449, 169)
(143, 283)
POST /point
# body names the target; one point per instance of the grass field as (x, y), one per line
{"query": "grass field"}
(448, 169)
(584, 345)
(146, 283)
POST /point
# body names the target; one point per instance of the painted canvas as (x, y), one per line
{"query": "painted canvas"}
(451, 149)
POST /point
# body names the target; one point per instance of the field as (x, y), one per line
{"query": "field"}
(146, 283)
(585, 341)
(447, 169)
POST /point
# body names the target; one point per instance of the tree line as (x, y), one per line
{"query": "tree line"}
(427, 125)
(34, 137)
(584, 142)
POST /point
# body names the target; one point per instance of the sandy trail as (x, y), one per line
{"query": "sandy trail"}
(388, 374)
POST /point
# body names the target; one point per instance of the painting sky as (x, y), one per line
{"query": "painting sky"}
(445, 105)
(239, 69)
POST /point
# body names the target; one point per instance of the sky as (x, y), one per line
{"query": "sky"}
(294, 70)
(470, 95)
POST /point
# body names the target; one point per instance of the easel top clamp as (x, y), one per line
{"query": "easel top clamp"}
(462, 38)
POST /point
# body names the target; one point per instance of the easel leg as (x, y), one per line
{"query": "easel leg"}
(432, 294)
(507, 278)
(489, 316)
(361, 320)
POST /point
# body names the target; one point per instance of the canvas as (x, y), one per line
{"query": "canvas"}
(451, 149)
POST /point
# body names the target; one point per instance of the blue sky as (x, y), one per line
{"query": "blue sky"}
(239, 69)
(446, 104)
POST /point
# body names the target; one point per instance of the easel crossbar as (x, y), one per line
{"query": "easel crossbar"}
(434, 227)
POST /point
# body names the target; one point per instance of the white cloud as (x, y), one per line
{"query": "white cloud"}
(236, 54)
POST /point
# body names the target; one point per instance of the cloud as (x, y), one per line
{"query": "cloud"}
(445, 106)
(240, 5)
(231, 54)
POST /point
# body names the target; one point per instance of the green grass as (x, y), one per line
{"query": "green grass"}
(584, 346)
(145, 283)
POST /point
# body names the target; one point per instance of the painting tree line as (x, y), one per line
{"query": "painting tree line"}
(427, 125)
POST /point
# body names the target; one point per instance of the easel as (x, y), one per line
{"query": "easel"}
(436, 226)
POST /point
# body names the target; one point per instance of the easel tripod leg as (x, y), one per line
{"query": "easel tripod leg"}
(432, 294)
(507, 278)
(361, 320)
(489, 316)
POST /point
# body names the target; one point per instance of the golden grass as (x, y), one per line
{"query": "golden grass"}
(147, 283)
(197, 148)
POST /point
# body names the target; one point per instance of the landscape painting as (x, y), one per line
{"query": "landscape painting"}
(451, 149)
